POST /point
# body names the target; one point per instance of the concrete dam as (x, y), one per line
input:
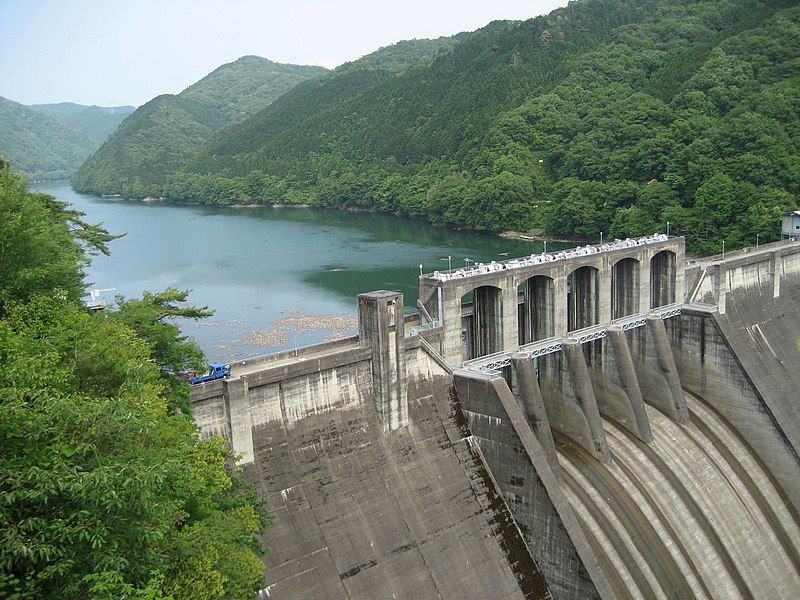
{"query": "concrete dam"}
(606, 422)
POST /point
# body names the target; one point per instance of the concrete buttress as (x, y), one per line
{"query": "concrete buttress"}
(529, 396)
(656, 370)
(616, 387)
(241, 423)
(570, 401)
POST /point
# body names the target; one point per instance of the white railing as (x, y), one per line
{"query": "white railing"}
(492, 363)
(545, 257)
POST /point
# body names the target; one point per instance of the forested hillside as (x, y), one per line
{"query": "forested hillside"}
(606, 115)
(95, 122)
(163, 134)
(107, 490)
(38, 145)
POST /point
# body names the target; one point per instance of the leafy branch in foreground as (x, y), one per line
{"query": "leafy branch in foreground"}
(105, 491)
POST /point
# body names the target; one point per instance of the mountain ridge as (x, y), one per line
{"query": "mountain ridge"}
(164, 132)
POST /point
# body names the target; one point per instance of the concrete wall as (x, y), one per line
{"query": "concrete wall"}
(366, 513)
(520, 467)
(443, 297)
(293, 391)
(744, 388)
(712, 279)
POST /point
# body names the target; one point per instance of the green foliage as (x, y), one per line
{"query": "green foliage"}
(105, 491)
(95, 122)
(38, 145)
(163, 134)
(605, 116)
(153, 318)
(43, 245)
(398, 57)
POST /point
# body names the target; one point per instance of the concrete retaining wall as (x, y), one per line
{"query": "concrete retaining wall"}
(743, 378)
(520, 467)
(295, 390)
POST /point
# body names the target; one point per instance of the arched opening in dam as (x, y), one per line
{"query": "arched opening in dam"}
(625, 288)
(583, 306)
(662, 278)
(483, 327)
(537, 311)
(694, 514)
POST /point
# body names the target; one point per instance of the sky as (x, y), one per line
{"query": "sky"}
(118, 52)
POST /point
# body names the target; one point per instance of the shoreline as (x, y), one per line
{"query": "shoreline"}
(527, 236)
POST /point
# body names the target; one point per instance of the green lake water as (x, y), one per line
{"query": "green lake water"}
(276, 277)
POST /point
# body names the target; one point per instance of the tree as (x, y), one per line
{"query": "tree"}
(105, 494)
(104, 491)
(153, 317)
(43, 245)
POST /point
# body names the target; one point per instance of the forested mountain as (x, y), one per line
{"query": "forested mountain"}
(38, 145)
(95, 122)
(606, 115)
(163, 134)
(398, 57)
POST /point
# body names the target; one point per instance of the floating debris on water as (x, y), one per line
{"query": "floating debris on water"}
(217, 323)
(299, 322)
(265, 337)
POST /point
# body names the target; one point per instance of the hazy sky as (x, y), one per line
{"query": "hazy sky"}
(114, 52)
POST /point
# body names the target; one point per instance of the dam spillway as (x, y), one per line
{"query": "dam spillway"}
(553, 444)
(692, 515)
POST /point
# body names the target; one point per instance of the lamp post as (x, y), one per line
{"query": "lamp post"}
(420, 269)
(756, 241)
(667, 228)
(601, 237)
(545, 246)
(449, 263)
(466, 261)
(723, 249)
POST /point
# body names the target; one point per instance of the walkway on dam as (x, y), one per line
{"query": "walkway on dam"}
(749, 252)
(493, 362)
(287, 358)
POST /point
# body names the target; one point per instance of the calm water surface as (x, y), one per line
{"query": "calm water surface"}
(275, 277)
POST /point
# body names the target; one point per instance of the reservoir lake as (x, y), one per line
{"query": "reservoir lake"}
(277, 278)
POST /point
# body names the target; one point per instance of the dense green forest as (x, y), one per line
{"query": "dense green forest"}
(107, 490)
(163, 134)
(607, 115)
(38, 145)
(95, 122)
(50, 141)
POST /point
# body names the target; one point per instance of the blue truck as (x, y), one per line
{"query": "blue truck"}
(216, 371)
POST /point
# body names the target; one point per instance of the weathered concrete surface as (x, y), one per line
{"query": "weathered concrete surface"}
(381, 324)
(694, 514)
(534, 495)
(616, 386)
(745, 364)
(362, 513)
(569, 398)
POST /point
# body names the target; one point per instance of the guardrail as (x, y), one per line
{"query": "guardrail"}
(492, 363)
(425, 327)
